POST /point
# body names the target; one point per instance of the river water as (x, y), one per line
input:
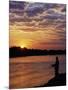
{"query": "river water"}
(33, 71)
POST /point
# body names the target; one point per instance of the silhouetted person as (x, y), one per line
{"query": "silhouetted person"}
(56, 67)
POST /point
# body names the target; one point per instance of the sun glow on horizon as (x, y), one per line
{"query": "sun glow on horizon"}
(22, 46)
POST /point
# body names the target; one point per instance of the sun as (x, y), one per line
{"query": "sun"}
(22, 46)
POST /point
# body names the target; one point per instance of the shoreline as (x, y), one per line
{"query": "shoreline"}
(60, 80)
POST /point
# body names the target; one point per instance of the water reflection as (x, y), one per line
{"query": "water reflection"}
(33, 71)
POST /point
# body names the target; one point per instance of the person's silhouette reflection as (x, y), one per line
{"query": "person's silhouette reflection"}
(56, 67)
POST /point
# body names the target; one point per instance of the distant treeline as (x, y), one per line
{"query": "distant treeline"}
(18, 52)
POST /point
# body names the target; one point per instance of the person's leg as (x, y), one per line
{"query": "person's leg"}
(56, 72)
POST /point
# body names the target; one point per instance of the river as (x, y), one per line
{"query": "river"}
(33, 71)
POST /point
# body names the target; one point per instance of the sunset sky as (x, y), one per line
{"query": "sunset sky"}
(37, 25)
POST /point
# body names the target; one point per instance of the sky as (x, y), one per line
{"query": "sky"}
(37, 25)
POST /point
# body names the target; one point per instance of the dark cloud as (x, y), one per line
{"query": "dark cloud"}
(16, 5)
(15, 19)
(54, 16)
(34, 11)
